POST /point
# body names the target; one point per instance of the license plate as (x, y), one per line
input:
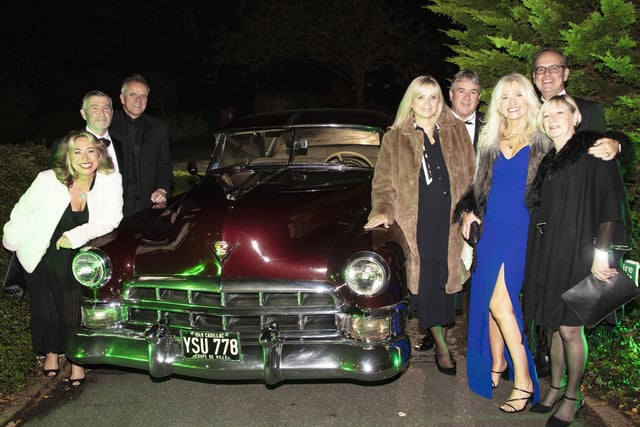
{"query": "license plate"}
(211, 345)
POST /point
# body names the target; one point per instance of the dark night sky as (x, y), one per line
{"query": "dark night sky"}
(52, 54)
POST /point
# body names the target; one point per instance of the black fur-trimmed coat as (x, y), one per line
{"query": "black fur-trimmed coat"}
(577, 203)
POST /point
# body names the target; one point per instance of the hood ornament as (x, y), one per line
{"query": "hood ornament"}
(221, 251)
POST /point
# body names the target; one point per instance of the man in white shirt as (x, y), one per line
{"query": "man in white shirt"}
(465, 97)
(97, 112)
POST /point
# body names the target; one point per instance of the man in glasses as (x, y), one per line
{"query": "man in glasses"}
(550, 72)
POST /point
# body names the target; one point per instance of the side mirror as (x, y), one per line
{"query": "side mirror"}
(192, 168)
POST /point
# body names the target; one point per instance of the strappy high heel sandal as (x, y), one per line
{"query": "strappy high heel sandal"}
(557, 422)
(526, 399)
(544, 409)
(504, 374)
(50, 373)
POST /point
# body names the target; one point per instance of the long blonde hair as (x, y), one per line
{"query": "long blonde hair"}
(496, 124)
(64, 170)
(416, 88)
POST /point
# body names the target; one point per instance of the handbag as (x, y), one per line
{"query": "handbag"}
(592, 300)
(14, 281)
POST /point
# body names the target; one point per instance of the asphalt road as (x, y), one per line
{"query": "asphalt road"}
(422, 396)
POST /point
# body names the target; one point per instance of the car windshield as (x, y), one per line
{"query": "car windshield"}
(350, 146)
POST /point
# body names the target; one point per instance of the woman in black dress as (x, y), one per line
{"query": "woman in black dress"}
(65, 207)
(425, 164)
(579, 218)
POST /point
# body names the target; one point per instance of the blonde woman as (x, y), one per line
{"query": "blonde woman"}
(579, 217)
(425, 164)
(65, 207)
(509, 151)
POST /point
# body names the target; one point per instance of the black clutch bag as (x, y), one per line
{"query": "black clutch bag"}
(474, 234)
(592, 300)
(14, 281)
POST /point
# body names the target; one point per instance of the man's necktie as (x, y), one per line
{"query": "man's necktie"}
(468, 122)
(105, 141)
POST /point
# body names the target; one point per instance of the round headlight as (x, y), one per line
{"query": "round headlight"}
(91, 267)
(366, 273)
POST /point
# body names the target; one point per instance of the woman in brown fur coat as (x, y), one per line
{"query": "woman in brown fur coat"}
(425, 164)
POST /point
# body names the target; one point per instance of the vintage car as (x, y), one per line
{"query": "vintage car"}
(262, 270)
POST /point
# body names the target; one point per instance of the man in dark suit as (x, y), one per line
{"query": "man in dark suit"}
(550, 73)
(148, 172)
(465, 96)
(97, 112)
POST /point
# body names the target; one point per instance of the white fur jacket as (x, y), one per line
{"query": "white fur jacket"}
(35, 217)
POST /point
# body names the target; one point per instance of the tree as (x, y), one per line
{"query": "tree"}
(599, 38)
(358, 41)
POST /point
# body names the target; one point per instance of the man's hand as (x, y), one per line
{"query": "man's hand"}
(605, 148)
(159, 197)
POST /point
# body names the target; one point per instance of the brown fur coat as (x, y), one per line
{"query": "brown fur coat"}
(394, 194)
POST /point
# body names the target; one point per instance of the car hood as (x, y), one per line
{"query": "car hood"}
(293, 224)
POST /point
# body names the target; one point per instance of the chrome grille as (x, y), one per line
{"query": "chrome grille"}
(244, 306)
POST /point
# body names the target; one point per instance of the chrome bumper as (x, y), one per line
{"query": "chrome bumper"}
(271, 358)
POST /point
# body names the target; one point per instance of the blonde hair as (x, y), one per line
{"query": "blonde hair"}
(417, 87)
(565, 100)
(64, 170)
(496, 124)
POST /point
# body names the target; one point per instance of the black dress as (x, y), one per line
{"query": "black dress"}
(435, 307)
(53, 291)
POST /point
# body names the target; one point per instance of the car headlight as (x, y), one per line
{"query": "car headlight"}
(100, 316)
(366, 273)
(368, 329)
(91, 267)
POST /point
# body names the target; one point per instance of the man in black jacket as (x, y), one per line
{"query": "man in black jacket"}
(147, 172)
(465, 97)
(550, 73)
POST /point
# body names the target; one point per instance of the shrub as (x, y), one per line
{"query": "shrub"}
(21, 164)
(613, 366)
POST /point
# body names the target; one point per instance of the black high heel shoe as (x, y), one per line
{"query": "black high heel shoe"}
(557, 422)
(426, 344)
(51, 373)
(527, 399)
(447, 371)
(544, 409)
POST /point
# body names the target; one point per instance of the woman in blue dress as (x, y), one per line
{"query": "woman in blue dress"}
(509, 151)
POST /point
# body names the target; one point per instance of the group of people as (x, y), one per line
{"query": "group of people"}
(116, 167)
(550, 205)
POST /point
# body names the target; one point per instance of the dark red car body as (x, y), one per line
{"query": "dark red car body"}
(255, 256)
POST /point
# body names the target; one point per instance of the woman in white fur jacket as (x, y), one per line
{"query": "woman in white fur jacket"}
(65, 207)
